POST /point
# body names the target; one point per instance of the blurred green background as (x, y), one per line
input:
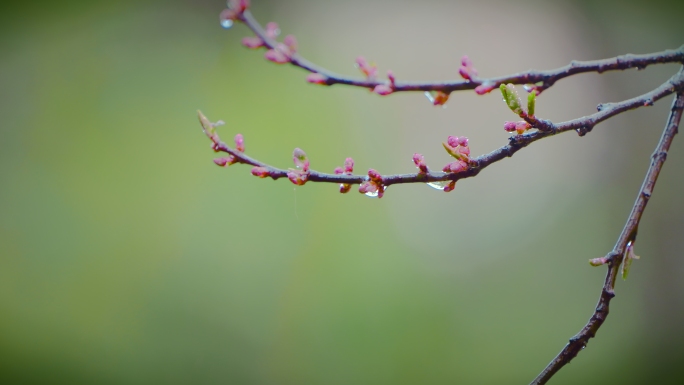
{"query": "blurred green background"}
(128, 257)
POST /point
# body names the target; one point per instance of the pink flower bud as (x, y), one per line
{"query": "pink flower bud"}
(344, 188)
(252, 42)
(453, 141)
(349, 165)
(450, 187)
(462, 141)
(228, 15)
(464, 73)
(383, 89)
(261, 172)
(224, 161)
(339, 170)
(368, 187)
(509, 126)
(239, 143)
(277, 55)
(239, 5)
(485, 88)
(390, 76)
(370, 70)
(522, 126)
(298, 177)
(300, 159)
(457, 166)
(419, 161)
(374, 176)
(467, 71)
(465, 151)
(316, 78)
(272, 30)
(291, 42)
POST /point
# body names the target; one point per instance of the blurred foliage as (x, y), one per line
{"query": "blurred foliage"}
(127, 257)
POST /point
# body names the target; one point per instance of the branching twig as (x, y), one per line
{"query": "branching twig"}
(465, 167)
(583, 125)
(624, 242)
(546, 78)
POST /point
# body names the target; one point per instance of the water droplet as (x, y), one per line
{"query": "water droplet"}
(430, 97)
(439, 185)
(373, 194)
(528, 87)
(226, 23)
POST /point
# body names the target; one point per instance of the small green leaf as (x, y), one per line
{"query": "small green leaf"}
(531, 101)
(453, 153)
(207, 127)
(511, 98)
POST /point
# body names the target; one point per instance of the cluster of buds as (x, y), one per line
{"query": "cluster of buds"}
(348, 170)
(457, 146)
(234, 12)
(373, 186)
(254, 42)
(512, 100)
(419, 161)
(467, 71)
(283, 52)
(370, 70)
(386, 89)
(300, 175)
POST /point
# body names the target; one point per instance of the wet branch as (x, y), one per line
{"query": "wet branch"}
(625, 240)
(517, 142)
(546, 78)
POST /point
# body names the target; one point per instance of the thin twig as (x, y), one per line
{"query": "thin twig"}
(615, 256)
(582, 125)
(547, 78)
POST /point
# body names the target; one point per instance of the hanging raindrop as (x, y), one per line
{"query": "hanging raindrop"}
(226, 23)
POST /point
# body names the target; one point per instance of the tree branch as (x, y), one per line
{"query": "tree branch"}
(625, 241)
(546, 78)
(517, 142)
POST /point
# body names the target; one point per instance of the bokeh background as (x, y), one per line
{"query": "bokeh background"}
(128, 257)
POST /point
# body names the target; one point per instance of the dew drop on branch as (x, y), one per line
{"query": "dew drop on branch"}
(226, 23)
(372, 194)
(430, 97)
(528, 87)
(439, 185)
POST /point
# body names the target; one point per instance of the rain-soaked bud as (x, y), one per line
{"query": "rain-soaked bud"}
(457, 166)
(419, 161)
(316, 78)
(301, 161)
(450, 187)
(261, 172)
(298, 177)
(510, 96)
(374, 176)
(226, 161)
(349, 165)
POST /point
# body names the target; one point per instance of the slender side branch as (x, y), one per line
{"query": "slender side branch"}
(546, 78)
(623, 245)
(517, 142)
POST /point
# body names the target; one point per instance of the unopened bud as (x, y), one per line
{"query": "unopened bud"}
(261, 172)
(301, 161)
(316, 78)
(349, 165)
(239, 143)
